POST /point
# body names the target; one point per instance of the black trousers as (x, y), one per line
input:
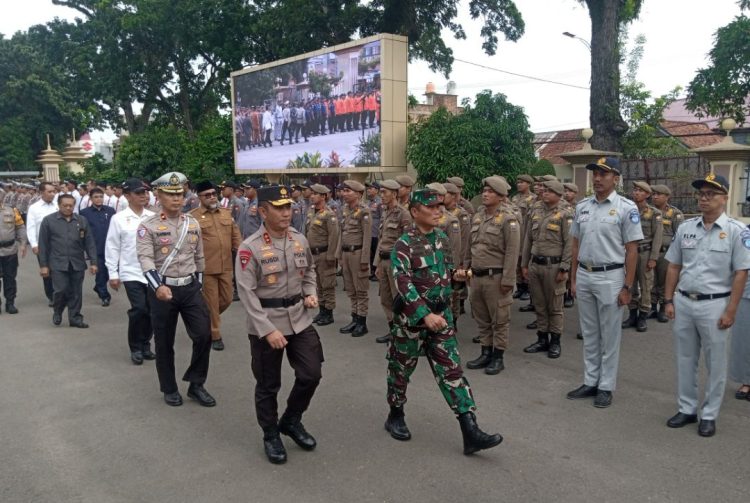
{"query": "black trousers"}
(373, 253)
(139, 316)
(48, 290)
(8, 272)
(305, 355)
(102, 277)
(188, 302)
(68, 287)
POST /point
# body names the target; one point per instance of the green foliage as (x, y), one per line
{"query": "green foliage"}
(542, 167)
(307, 161)
(491, 137)
(321, 83)
(152, 152)
(368, 151)
(209, 156)
(412, 101)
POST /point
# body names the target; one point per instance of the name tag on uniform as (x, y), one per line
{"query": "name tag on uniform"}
(583, 218)
(553, 227)
(688, 243)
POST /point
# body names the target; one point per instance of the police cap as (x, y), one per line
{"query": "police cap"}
(643, 186)
(390, 184)
(277, 195)
(405, 180)
(171, 183)
(714, 181)
(606, 164)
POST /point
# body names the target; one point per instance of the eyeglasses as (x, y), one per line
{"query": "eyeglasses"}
(705, 194)
(208, 194)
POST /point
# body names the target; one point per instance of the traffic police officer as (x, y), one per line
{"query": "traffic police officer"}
(323, 236)
(12, 239)
(276, 280)
(170, 251)
(671, 218)
(606, 230)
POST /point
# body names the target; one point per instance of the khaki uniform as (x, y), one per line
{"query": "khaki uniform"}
(12, 237)
(466, 205)
(649, 248)
(322, 230)
(394, 222)
(451, 226)
(670, 220)
(220, 237)
(524, 203)
(493, 256)
(354, 254)
(546, 252)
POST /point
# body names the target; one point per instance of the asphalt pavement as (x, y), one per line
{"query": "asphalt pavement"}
(80, 423)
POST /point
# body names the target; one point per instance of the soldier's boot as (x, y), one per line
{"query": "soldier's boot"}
(273, 446)
(632, 319)
(347, 329)
(554, 346)
(661, 316)
(474, 438)
(387, 337)
(653, 313)
(525, 295)
(360, 328)
(533, 325)
(476, 339)
(541, 344)
(396, 424)
(462, 308)
(496, 363)
(640, 322)
(484, 359)
(320, 313)
(292, 427)
(517, 293)
(326, 318)
(568, 300)
(528, 308)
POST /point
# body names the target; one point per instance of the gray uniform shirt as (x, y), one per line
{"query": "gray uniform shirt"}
(13, 230)
(249, 220)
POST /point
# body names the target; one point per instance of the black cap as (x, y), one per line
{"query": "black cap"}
(133, 185)
(204, 185)
(713, 181)
(606, 164)
(228, 183)
(251, 184)
(277, 195)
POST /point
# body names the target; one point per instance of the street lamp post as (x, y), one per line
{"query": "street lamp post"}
(582, 40)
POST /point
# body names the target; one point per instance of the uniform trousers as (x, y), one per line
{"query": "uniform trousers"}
(47, 282)
(139, 316)
(373, 252)
(739, 364)
(491, 310)
(305, 355)
(660, 278)
(188, 302)
(68, 287)
(8, 273)
(387, 288)
(325, 275)
(696, 327)
(644, 280)
(356, 282)
(100, 282)
(548, 297)
(217, 291)
(601, 325)
(441, 351)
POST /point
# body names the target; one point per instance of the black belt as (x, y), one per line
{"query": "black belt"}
(600, 268)
(486, 272)
(385, 255)
(664, 248)
(644, 247)
(538, 259)
(318, 249)
(4, 244)
(287, 302)
(350, 248)
(704, 296)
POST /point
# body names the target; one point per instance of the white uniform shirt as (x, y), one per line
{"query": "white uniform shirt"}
(34, 217)
(119, 252)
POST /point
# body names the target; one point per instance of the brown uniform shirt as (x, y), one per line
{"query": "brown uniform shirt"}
(158, 235)
(356, 230)
(12, 231)
(451, 226)
(671, 219)
(322, 229)
(466, 205)
(549, 235)
(464, 223)
(651, 225)
(393, 224)
(220, 236)
(495, 242)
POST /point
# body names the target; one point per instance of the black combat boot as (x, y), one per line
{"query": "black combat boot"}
(652, 314)
(273, 446)
(640, 322)
(476, 339)
(360, 328)
(386, 337)
(632, 320)
(474, 438)
(482, 361)
(528, 308)
(496, 363)
(396, 425)
(554, 346)
(519, 288)
(326, 318)
(661, 316)
(525, 295)
(568, 300)
(347, 329)
(292, 427)
(541, 344)
(10, 306)
(317, 316)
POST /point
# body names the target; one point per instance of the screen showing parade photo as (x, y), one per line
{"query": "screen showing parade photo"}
(315, 113)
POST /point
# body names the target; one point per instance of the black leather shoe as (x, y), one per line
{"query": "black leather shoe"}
(57, 318)
(198, 393)
(742, 395)
(661, 316)
(217, 345)
(10, 308)
(631, 320)
(679, 420)
(640, 322)
(294, 429)
(474, 438)
(533, 325)
(148, 354)
(707, 428)
(496, 364)
(79, 324)
(316, 318)
(326, 317)
(173, 399)
(524, 295)
(554, 346)
(106, 302)
(484, 359)
(568, 301)
(360, 328)
(476, 339)
(541, 344)
(582, 392)
(136, 357)
(349, 327)
(396, 425)
(603, 399)
(383, 339)
(528, 308)
(273, 446)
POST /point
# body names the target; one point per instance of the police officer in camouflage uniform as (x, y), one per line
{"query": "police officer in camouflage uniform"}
(423, 269)
(671, 218)
(323, 236)
(12, 239)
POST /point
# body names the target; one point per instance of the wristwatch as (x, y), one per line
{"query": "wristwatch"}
(667, 301)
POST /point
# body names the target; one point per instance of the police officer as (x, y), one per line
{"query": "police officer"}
(406, 182)
(546, 263)
(606, 230)
(323, 236)
(276, 280)
(354, 254)
(648, 253)
(249, 221)
(375, 205)
(423, 268)
(298, 209)
(671, 218)
(494, 252)
(708, 267)
(460, 290)
(523, 200)
(170, 251)
(12, 239)
(462, 202)
(570, 196)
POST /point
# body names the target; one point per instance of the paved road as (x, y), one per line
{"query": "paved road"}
(80, 423)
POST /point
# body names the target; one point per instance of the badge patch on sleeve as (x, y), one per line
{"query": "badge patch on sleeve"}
(141, 232)
(634, 216)
(245, 256)
(745, 236)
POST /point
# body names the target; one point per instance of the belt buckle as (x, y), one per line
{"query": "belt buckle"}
(693, 296)
(589, 267)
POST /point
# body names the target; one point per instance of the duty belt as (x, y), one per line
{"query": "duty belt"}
(385, 255)
(350, 248)
(4, 244)
(286, 302)
(644, 247)
(704, 296)
(318, 249)
(538, 259)
(600, 268)
(492, 271)
(183, 281)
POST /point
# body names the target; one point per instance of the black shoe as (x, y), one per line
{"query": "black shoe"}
(528, 308)
(273, 446)
(136, 357)
(679, 420)
(496, 364)
(235, 296)
(326, 318)
(396, 425)
(631, 320)
(348, 328)
(541, 344)
(661, 316)
(106, 302)
(742, 395)
(173, 399)
(383, 339)
(554, 346)
(517, 293)
(374, 278)
(293, 428)
(474, 438)
(79, 324)
(640, 322)
(524, 296)
(484, 359)
(148, 354)
(198, 393)
(10, 308)
(476, 339)
(57, 318)
(217, 345)
(568, 301)
(653, 313)
(360, 328)
(533, 325)
(707, 428)
(603, 399)
(316, 318)
(582, 392)
(579, 336)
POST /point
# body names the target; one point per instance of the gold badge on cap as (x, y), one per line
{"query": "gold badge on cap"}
(174, 179)
(282, 191)
(710, 177)
(602, 160)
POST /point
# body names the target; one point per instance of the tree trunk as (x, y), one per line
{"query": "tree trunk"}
(604, 116)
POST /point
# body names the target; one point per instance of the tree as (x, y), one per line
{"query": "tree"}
(490, 137)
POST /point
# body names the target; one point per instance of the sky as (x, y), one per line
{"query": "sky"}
(679, 34)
